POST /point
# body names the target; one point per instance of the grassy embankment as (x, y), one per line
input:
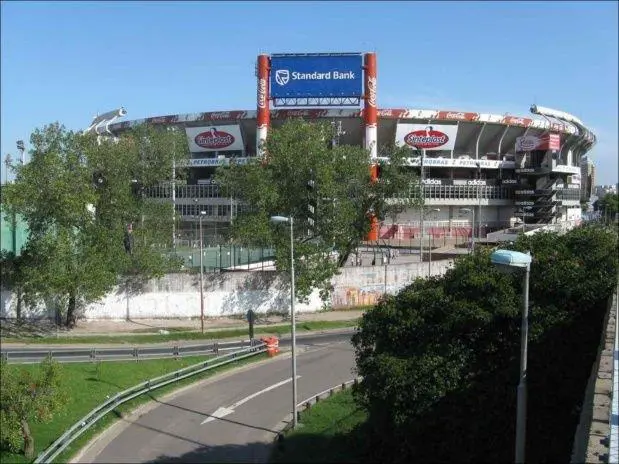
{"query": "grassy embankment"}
(331, 431)
(90, 384)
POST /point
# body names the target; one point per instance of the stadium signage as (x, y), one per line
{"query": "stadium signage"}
(214, 138)
(461, 163)
(427, 137)
(210, 162)
(531, 142)
(312, 76)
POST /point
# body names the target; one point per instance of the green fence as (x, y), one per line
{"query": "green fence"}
(232, 257)
(14, 233)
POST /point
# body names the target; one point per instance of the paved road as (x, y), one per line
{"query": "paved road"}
(260, 395)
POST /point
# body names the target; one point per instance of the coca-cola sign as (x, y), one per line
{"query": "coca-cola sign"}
(215, 138)
(372, 91)
(262, 93)
(458, 115)
(426, 139)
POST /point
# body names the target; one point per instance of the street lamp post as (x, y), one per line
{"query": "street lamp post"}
(433, 210)
(472, 211)
(513, 259)
(202, 213)
(290, 220)
(423, 200)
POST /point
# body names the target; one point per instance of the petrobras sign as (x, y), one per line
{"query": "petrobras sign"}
(214, 138)
(212, 162)
(461, 163)
(427, 137)
(308, 76)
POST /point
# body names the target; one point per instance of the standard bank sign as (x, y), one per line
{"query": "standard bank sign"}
(294, 76)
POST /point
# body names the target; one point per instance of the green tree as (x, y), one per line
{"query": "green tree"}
(608, 205)
(299, 153)
(28, 397)
(77, 197)
(432, 339)
(440, 359)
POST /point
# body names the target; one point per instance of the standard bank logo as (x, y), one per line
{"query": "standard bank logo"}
(282, 76)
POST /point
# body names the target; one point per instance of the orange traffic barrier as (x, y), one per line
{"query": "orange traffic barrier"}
(272, 345)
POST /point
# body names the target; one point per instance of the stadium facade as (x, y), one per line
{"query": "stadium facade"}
(509, 170)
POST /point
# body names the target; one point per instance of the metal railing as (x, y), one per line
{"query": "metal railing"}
(120, 353)
(97, 413)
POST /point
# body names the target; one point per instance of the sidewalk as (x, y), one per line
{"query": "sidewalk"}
(153, 326)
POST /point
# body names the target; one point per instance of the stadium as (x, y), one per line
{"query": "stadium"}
(482, 171)
(486, 176)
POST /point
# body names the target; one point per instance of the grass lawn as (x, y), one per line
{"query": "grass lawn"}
(89, 384)
(129, 338)
(330, 431)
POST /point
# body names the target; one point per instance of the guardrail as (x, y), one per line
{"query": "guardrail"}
(121, 353)
(97, 413)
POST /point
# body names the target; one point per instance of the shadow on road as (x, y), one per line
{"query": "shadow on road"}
(250, 452)
(222, 419)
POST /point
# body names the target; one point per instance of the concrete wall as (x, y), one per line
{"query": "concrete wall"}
(591, 440)
(178, 295)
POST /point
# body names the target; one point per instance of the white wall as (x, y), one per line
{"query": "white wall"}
(178, 295)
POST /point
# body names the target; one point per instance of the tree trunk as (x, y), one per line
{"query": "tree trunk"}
(28, 439)
(71, 312)
(19, 304)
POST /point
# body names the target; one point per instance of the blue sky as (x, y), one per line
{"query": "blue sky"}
(66, 61)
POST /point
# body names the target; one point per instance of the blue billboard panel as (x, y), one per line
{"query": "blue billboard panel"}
(311, 76)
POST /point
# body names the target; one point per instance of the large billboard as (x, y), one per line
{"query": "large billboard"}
(429, 137)
(545, 142)
(214, 138)
(312, 76)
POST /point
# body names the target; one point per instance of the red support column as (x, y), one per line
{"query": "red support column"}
(263, 117)
(370, 116)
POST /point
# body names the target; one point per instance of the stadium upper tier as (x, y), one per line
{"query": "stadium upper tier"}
(478, 135)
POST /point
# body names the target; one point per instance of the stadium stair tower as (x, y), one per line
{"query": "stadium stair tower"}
(536, 196)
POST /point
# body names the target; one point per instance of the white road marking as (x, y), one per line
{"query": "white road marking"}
(223, 411)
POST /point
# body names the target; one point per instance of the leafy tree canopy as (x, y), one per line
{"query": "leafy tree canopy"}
(298, 153)
(77, 197)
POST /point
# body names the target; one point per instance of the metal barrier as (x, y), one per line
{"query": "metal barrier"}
(97, 413)
(120, 353)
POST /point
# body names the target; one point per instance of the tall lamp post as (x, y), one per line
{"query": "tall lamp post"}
(202, 214)
(471, 211)
(423, 200)
(512, 260)
(290, 220)
(433, 210)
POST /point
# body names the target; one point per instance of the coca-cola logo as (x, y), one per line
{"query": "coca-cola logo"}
(220, 115)
(372, 91)
(214, 139)
(426, 139)
(262, 93)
